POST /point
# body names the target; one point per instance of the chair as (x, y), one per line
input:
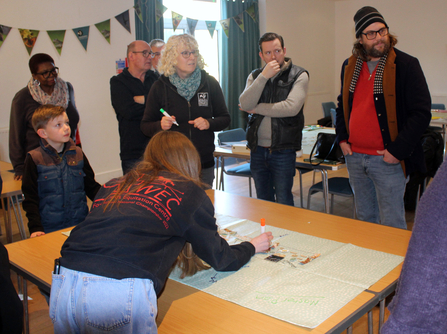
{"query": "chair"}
(333, 116)
(438, 106)
(234, 135)
(327, 108)
(337, 186)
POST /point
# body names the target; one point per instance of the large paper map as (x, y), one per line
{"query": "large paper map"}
(302, 280)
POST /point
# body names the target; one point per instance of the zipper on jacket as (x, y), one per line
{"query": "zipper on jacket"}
(189, 117)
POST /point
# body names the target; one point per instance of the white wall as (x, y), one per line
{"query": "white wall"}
(89, 71)
(421, 29)
(308, 31)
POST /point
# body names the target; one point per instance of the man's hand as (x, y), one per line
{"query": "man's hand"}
(388, 157)
(18, 177)
(200, 123)
(166, 122)
(262, 242)
(346, 148)
(271, 69)
(36, 234)
(139, 99)
(247, 111)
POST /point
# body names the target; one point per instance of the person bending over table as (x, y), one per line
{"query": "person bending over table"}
(116, 262)
(191, 96)
(44, 87)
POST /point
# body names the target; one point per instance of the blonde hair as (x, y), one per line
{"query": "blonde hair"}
(168, 60)
(44, 114)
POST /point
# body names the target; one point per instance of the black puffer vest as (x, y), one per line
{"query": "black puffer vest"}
(286, 131)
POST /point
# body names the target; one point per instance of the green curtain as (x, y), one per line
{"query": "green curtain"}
(149, 28)
(239, 56)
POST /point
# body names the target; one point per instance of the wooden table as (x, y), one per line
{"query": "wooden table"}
(183, 309)
(12, 192)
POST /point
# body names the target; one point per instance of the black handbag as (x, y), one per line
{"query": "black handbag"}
(326, 148)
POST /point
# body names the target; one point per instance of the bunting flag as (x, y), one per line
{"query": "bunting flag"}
(225, 25)
(57, 38)
(138, 11)
(104, 29)
(251, 12)
(4, 31)
(29, 38)
(176, 19)
(159, 10)
(191, 25)
(82, 34)
(211, 25)
(123, 18)
(239, 19)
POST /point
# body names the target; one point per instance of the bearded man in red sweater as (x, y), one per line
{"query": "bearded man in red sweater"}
(383, 110)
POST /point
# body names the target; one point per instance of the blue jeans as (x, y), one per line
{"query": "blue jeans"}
(379, 189)
(273, 174)
(86, 303)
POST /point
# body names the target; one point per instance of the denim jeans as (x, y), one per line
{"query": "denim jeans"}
(379, 189)
(273, 174)
(86, 303)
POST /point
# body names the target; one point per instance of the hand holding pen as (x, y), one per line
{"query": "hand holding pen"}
(167, 121)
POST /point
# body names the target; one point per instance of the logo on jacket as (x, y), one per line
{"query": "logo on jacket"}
(203, 99)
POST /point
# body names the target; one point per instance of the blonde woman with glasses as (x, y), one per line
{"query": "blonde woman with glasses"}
(191, 97)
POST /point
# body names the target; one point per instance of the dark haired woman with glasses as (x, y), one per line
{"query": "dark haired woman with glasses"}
(191, 97)
(44, 87)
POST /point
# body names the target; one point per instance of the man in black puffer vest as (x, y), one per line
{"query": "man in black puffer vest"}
(274, 98)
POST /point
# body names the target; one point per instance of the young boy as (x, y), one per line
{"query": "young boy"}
(57, 175)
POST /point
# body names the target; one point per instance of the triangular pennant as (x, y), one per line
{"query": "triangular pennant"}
(29, 38)
(138, 11)
(176, 19)
(191, 25)
(123, 18)
(225, 25)
(251, 11)
(82, 34)
(211, 25)
(57, 38)
(159, 10)
(4, 31)
(239, 19)
(104, 29)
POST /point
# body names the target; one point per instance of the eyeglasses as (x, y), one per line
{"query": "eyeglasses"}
(372, 34)
(145, 53)
(54, 71)
(187, 54)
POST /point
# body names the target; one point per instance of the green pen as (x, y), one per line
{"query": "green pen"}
(167, 115)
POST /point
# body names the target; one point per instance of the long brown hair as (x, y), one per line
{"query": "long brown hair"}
(359, 51)
(173, 152)
(168, 151)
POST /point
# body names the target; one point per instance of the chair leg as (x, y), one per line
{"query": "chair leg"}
(222, 166)
(332, 204)
(249, 185)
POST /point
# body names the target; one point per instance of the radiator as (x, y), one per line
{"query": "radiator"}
(4, 146)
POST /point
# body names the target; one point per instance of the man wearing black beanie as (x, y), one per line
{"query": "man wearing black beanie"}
(383, 110)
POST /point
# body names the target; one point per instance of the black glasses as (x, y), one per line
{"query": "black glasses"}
(187, 54)
(157, 54)
(372, 34)
(145, 53)
(54, 71)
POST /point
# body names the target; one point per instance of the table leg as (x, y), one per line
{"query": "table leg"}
(8, 220)
(370, 322)
(349, 330)
(23, 284)
(217, 172)
(381, 314)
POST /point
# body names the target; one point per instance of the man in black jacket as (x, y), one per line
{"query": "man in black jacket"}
(128, 91)
(274, 99)
(383, 110)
